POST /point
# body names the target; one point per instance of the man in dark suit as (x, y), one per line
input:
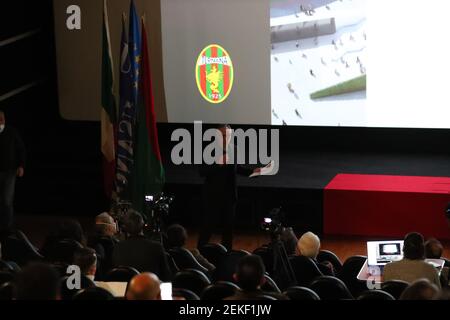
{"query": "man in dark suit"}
(139, 252)
(12, 162)
(220, 191)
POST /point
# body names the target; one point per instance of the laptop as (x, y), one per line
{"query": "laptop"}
(380, 253)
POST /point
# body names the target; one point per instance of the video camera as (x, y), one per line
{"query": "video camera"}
(273, 222)
(157, 207)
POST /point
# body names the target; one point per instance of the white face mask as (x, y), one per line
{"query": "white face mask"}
(2, 127)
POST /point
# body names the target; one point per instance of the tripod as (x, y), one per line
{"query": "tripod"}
(282, 271)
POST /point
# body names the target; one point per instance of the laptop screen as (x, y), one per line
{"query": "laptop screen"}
(380, 253)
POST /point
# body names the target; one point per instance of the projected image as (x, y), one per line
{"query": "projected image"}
(318, 62)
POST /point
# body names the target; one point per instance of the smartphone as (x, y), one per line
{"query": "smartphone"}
(166, 291)
(149, 198)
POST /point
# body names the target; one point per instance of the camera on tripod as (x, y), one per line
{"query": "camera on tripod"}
(273, 222)
(157, 207)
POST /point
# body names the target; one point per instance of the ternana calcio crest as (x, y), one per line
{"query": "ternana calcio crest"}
(214, 73)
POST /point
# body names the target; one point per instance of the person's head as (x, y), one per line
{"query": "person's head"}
(105, 225)
(433, 249)
(226, 132)
(308, 245)
(413, 246)
(38, 281)
(421, 289)
(250, 273)
(144, 286)
(134, 223)
(86, 259)
(70, 229)
(176, 236)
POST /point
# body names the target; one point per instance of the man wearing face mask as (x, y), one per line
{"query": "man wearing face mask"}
(12, 162)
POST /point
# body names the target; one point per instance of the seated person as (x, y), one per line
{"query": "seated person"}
(421, 289)
(103, 240)
(249, 277)
(86, 259)
(176, 238)
(413, 266)
(434, 250)
(145, 286)
(309, 246)
(139, 252)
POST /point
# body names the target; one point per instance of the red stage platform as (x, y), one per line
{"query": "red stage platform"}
(386, 206)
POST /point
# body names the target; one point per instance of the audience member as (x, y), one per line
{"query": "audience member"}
(139, 252)
(413, 266)
(421, 289)
(145, 286)
(86, 259)
(38, 282)
(176, 238)
(433, 249)
(249, 277)
(309, 246)
(103, 241)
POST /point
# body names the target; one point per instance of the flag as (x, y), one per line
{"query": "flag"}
(149, 172)
(126, 122)
(108, 110)
(135, 50)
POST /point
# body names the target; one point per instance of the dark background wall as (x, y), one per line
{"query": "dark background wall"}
(63, 175)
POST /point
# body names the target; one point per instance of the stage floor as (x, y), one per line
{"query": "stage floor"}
(314, 170)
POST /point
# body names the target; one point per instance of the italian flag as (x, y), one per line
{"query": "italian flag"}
(108, 110)
(149, 174)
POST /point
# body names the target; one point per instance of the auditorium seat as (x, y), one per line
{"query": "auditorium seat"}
(375, 295)
(270, 285)
(326, 255)
(16, 247)
(330, 288)
(349, 272)
(172, 265)
(191, 279)
(219, 291)
(394, 287)
(267, 257)
(305, 270)
(265, 297)
(7, 291)
(301, 293)
(213, 252)
(68, 294)
(121, 274)
(63, 251)
(93, 294)
(225, 270)
(184, 293)
(184, 259)
(6, 276)
(5, 266)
